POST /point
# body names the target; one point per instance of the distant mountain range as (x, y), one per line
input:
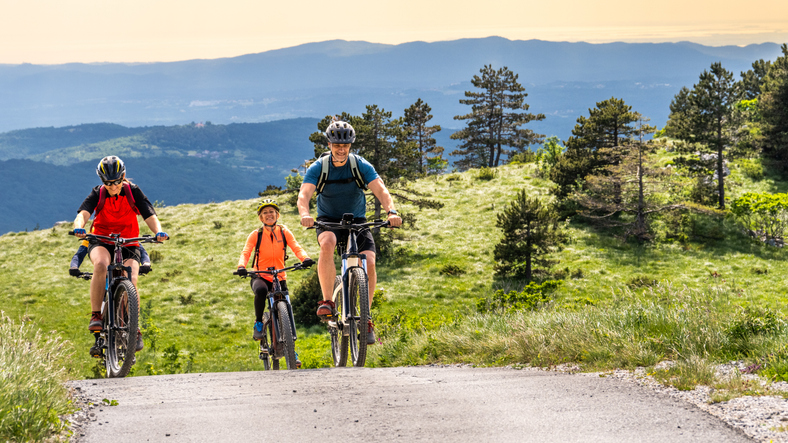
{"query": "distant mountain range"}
(211, 130)
(562, 79)
(47, 172)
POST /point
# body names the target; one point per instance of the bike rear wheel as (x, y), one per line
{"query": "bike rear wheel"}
(339, 342)
(122, 336)
(265, 354)
(359, 308)
(287, 334)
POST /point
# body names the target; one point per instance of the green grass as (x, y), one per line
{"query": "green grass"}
(199, 316)
(33, 369)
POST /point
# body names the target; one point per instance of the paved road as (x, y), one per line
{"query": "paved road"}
(392, 404)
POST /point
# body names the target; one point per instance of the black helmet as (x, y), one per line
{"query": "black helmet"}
(110, 168)
(340, 132)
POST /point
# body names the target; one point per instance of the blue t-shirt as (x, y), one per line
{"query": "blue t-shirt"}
(340, 198)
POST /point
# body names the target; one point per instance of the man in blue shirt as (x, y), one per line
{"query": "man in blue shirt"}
(341, 194)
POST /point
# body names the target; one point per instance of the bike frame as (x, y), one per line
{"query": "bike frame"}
(351, 258)
(115, 274)
(274, 296)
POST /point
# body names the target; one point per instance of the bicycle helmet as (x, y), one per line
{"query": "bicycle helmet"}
(340, 132)
(110, 168)
(268, 202)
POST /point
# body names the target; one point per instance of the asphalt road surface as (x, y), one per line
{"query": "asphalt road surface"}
(393, 404)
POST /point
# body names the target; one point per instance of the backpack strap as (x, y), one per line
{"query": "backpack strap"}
(129, 198)
(324, 165)
(257, 247)
(284, 241)
(102, 198)
(356, 173)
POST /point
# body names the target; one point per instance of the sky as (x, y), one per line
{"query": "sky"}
(94, 31)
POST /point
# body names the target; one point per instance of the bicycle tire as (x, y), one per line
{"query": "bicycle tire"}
(359, 308)
(122, 339)
(287, 334)
(265, 356)
(339, 342)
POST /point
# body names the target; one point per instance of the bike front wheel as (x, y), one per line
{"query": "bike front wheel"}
(121, 329)
(283, 322)
(359, 310)
(339, 341)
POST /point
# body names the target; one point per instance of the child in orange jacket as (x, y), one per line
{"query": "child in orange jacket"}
(274, 240)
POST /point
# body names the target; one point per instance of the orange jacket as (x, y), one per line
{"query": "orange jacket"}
(272, 250)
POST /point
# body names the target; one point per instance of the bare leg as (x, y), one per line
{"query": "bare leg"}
(372, 275)
(326, 270)
(100, 258)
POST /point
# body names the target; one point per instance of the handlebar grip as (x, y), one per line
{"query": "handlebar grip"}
(70, 232)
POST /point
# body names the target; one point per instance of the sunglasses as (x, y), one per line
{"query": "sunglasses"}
(116, 182)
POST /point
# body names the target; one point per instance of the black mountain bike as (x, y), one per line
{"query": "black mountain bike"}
(348, 329)
(278, 323)
(116, 344)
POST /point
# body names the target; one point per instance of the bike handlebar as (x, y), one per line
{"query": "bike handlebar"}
(117, 239)
(295, 267)
(352, 226)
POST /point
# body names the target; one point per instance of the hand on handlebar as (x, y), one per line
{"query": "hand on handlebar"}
(394, 220)
(161, 236)
(307, 221)
(80, 232)
(241, 271)
(307, 263)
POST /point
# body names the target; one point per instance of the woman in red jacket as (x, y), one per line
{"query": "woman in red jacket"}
(274, 240)
(117, 203)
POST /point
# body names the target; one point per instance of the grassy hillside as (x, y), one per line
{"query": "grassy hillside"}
(202, 315)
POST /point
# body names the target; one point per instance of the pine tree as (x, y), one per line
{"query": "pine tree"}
(596, 142)
(531, 231)
(628, 194)
(494, 121)
(774, 109)
(417, 132)
(706, 119)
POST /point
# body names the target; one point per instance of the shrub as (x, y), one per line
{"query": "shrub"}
(530, 297)
(641, 281)
(756, 322)
(271, 190)
(451, 270)
(486, 174)
(763, 216)
(523, 157)
(304, 300)
(751, 168)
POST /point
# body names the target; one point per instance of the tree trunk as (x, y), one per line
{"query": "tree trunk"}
(720, 182)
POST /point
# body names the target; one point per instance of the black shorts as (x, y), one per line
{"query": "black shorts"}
(132, 252)
(364, 238)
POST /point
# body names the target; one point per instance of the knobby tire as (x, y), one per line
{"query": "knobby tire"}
(287, 334)
(339, 341)
(122, 340)
(359, 308)
(266, 356)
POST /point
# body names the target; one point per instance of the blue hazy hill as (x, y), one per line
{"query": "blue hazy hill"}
(562, 79)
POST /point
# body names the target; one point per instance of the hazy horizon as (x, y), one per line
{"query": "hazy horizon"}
(84, 31)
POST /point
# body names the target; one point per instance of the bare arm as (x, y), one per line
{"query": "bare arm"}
(81, 220)
(382, 193)
(154, 224)
(304, 195)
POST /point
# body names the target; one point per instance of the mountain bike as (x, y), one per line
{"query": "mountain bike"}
(278, 323)
(348, 328)
(116, 344)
